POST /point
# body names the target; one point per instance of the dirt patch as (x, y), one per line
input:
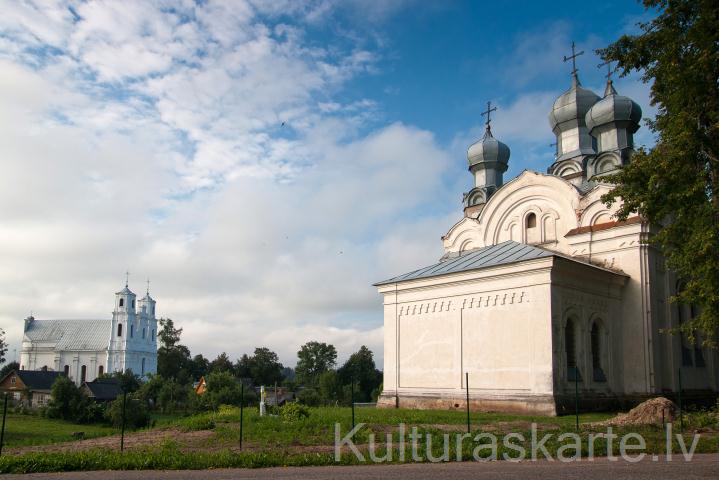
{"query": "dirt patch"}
(651, 412)
(144, 438)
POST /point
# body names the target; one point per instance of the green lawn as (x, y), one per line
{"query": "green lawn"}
(23, 430)
(212, 440)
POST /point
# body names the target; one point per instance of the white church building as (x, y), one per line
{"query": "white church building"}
(539, 282)
(85, 349)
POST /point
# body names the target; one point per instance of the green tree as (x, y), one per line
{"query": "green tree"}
(199, 367)
(329, 387)
(9, 367)
(173, 359)
(360, 369)
(136, 415)
(129, 382)
(263, 367)
(674, 185)
(3, 346)
(222, 389)
(314, 358)
(66, 400)
(222, 364)
(169, 335)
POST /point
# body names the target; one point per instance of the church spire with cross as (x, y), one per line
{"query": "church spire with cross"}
(488, 121)
(573, 58)
(488, 159)
(567, 118)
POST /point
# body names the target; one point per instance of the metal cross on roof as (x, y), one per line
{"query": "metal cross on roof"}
(488, 112)
(610, 71)
(148, 286)
(573, 58)
(127, 278)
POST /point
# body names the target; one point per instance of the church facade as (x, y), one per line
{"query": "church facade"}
(85, 349)
(541, 290)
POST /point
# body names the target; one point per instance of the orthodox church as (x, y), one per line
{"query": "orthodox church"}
(85, 349)
(541, 290)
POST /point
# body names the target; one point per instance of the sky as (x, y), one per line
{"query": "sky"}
(263, 162)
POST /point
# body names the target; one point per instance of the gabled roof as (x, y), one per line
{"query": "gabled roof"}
(104, 388)
(71, 334)
(494, 255)
(36, 379)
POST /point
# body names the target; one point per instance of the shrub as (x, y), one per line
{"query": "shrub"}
(66, 401)
(309, 397)
(136, 415)
(293, 412)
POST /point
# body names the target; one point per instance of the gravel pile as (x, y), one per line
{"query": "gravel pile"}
(651, 412)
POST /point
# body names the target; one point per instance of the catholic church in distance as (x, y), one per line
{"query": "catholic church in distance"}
(541, 290)
(85, 349)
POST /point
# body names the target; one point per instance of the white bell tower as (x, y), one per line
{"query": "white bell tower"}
(124, 324)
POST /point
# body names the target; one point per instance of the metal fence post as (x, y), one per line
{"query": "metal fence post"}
(466, 384)
(681, 412)
(242, 409)
(122, 425)
(352, 396)
(576, 397)
(2, 432)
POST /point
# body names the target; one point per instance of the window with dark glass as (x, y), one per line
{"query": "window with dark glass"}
(571, 351)
(597, 370)
(531, 220)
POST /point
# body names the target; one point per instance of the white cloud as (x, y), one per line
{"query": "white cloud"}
(151, 138)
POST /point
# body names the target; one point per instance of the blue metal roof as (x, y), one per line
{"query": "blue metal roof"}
(494, 255)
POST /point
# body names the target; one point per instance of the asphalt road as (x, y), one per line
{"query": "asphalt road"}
(701, 466)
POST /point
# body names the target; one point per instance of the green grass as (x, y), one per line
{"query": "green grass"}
(270, 441)
(23, 430)
(319, 428)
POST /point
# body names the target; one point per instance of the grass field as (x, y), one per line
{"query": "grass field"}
(24, 430)
(212, 439)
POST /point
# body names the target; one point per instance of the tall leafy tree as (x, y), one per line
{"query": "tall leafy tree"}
(173, 358)
(265, 367)
(169, 335)
(3, 346)
(222, 364)
(675, 184)
(9, 367)
(360, 368)
(314, 358)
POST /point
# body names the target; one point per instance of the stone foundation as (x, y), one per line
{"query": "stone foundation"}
(521, 405)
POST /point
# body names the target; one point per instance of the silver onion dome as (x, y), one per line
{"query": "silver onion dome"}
(571, 107)
(614, 108)
(487, 150)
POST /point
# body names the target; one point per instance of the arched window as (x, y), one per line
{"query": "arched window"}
(132, 331)
(153, 334)
(122, 302)
(83, 373)
(133, 304)
(119, 329)
(597, 370)
(143, 333)
(143, 366)
(100, 370)
(531, 220)
(66, 370)
(570, 346)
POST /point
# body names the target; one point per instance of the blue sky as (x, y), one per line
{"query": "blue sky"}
(262, 162)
